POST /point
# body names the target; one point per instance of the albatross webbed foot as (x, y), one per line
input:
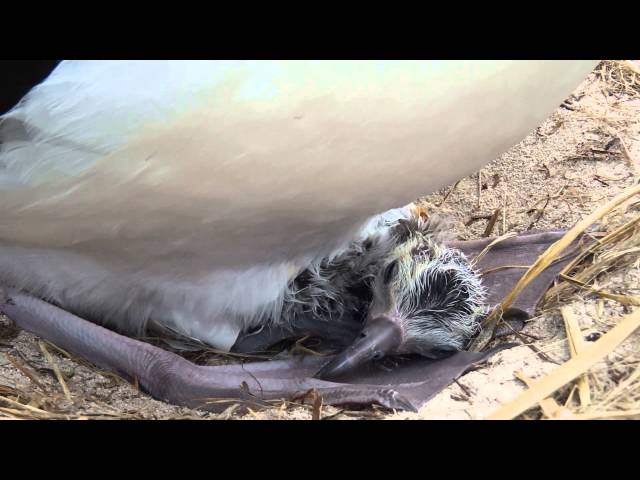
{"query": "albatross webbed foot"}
(169, 377)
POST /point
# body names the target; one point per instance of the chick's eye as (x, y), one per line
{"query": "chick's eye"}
(390, 271)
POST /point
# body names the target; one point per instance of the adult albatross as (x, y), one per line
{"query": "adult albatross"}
(190, 194)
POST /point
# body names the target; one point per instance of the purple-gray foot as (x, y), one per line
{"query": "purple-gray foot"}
(171, 378)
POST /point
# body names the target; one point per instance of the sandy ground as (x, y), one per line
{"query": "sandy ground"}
(574, 162)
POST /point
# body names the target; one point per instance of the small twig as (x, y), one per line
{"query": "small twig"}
(574, 389)
(254, 414)
(228, 412)
(541, 355)
(56, 370)
(25, 371)
(486, 249)
(603, 152)
(299, 347)
(504, 213)
(633, 164)
(316, 401)
(576, 346)
(622, 299)
(570, 370)
(449, 193)
(316, 412)
(463, 388)
(333, 415)
(502, 267)
(549, 406)
(33, 409)
(540, 213)
(475, 218)
(479, 188)
(491, 224)
(605, 415)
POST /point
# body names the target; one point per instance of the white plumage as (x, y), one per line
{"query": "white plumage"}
(192, 192)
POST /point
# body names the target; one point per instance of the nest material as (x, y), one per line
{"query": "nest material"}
(606, 387)
(622, 77)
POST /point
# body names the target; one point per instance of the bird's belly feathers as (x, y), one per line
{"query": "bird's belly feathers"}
(213, 308)
(234, 164)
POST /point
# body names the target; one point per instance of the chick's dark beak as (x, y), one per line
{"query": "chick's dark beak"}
(381, 336)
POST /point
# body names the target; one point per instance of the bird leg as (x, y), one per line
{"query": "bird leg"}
(169, 377)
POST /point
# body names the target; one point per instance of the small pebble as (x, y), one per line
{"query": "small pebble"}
(592, 337)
